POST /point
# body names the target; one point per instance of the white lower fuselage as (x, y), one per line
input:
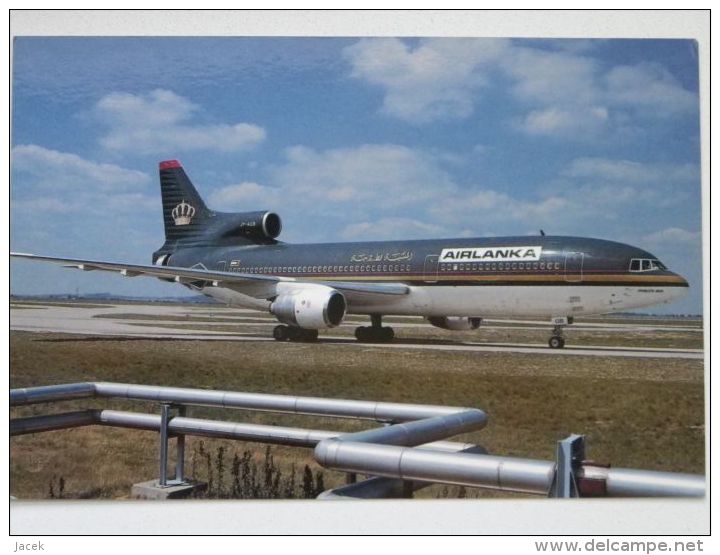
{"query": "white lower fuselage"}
(492, 301)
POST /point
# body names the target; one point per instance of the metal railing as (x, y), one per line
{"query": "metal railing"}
(408, 452)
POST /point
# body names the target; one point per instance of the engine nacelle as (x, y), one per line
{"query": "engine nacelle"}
(312, 308)
(455, 323)
(254, 225)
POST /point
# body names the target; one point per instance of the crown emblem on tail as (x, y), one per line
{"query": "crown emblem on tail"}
(183, 213)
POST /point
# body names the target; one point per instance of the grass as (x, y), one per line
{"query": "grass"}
(636, 413)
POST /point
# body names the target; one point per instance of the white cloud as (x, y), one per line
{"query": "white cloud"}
(630, 171)
(648, 87)
(561, 91)
(556, 121)
(389, 191)
(392, 228)
(485, 205)
(241, 196)
(546, 77)
(44, 205)
(157, 108)
(52, 170)
(624, 191)
(50, 181)
(437, 79)
(674, 236)
(159, 122)
(386, 175)
(338, 191)
(380, 191)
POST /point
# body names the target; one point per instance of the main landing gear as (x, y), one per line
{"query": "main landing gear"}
(375, 333)
(291, 333)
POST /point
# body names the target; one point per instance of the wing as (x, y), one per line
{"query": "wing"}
(254, 285)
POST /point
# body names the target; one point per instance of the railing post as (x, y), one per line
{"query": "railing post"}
(180, 454)
(164, 419)
(165, 416)
(570, 453)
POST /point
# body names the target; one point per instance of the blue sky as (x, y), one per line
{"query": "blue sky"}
(352, 139)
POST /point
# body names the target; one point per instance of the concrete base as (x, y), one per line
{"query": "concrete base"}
(152, 490)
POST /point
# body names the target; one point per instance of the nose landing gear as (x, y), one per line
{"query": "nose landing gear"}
(557, 339)
(375, 333)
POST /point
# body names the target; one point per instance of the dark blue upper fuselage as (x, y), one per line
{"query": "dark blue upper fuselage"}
(419, 259)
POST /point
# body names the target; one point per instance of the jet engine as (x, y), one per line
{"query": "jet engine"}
(254, 225)
(455, 323)
(311, 308)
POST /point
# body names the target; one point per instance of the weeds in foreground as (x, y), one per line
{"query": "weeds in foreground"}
(251, 478)
(60, 492)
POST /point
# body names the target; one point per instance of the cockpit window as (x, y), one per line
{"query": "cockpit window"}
(646, 265)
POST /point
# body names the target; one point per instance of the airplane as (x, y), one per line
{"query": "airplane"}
(453, 283)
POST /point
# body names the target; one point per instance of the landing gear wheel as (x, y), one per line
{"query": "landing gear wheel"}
(387, 334)
(300, 334)
(308, 335)
(556, 342)
(374, 334)
(281, 333)
(362, 334)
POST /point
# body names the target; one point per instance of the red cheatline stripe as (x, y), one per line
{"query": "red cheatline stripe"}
(167, 164)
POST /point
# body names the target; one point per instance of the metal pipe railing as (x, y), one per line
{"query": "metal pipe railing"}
(388, 452)
(50, 393)
(422, 431)
(626, 482)
(486, 471)
(379, 487)
(49, 422)
(181, 425)
(315, 406)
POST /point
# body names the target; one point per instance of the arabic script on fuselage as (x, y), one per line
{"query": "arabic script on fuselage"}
(382, 257)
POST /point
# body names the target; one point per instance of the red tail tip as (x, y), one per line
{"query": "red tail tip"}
(167, 164)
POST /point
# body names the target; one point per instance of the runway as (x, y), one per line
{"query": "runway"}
(136, 321)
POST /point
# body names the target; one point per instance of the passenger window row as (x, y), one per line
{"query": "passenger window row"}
(277, 270)
(494, 266)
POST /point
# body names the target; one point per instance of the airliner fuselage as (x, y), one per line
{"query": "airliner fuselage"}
(540, 276)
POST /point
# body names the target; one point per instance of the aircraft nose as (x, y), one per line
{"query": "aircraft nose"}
(679, 290)
(682, 282)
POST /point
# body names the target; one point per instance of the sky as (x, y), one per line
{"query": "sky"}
(353, 139)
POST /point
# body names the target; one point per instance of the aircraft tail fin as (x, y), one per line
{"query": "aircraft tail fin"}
(190, 223)
(184, 211)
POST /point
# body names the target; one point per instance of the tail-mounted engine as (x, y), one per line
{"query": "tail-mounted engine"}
(455, 323)
(311, 308)
(252, 225)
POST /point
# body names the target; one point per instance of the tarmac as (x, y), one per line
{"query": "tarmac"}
(113, 320)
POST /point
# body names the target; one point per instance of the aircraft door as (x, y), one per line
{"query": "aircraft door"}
(574, 266)
(430, 269)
